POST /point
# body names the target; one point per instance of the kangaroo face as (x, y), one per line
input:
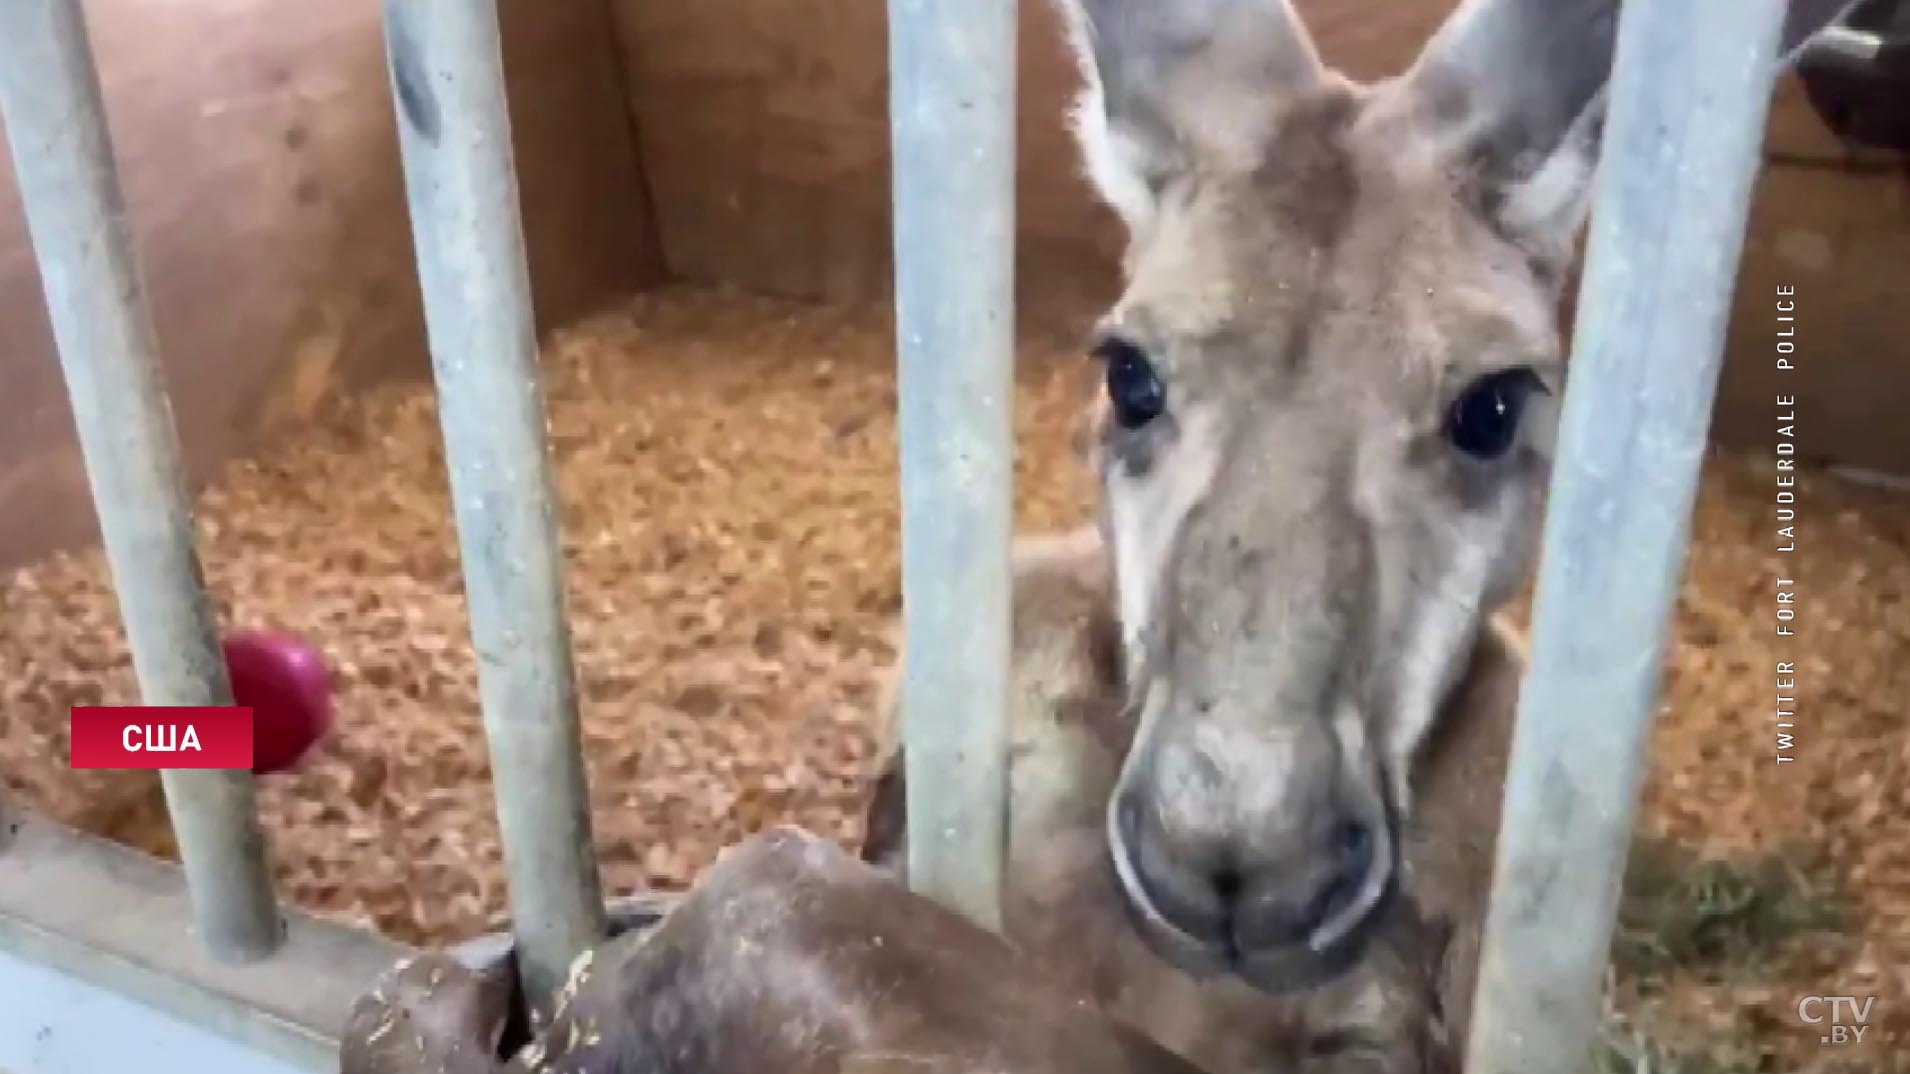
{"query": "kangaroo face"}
(1325, 433)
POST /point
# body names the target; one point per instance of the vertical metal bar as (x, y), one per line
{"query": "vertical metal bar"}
(952, 107)
(448, 82)
(1691, 89)
(76, 216)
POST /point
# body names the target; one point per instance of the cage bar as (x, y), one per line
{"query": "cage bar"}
(952, 109)
(1690, 93)
(75, 210)
(454, 128)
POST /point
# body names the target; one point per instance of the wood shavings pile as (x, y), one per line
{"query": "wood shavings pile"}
(729, 511)
(726, 469)
(1841, 809)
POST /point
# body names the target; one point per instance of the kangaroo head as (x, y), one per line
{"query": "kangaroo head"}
(1330, 400)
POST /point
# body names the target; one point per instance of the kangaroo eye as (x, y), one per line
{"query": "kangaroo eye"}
(1134, 388)
(1484, 420)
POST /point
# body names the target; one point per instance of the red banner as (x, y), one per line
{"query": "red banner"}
(151, 736)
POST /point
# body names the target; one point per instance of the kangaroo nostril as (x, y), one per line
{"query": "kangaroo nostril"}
(1177, 889)
(1339, 892)
(1227, 885)
(1353, 839)
(1354, 846)
(1128, 816)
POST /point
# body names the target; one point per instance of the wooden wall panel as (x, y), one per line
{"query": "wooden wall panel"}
(257, 147)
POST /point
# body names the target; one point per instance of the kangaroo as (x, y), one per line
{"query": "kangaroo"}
(1261, 708)
(788, 957)
(1394, 1002)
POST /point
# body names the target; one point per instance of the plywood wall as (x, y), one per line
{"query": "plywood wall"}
(257, 147)
(765, 137)
(1837, 230)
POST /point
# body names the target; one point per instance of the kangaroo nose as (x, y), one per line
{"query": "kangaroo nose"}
(1250, 902)
(1193, 895)
(1286, 906)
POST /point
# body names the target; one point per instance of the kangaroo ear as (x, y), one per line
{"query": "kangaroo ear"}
(1516, 90)
(1172, 82)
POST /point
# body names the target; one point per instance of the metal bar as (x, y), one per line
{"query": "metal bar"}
(1841, 47)
(952, 107)
(75, 212)
(91, 910)
(454, 128)
(1691, 89)
(52, 1021)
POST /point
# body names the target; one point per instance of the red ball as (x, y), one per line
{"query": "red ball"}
(284, 681)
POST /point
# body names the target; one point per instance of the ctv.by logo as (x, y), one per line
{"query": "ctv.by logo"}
(1841, 1017)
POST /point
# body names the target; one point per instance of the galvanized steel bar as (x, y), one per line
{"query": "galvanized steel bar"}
(448, 82)
(1842, 48)
(1691, 89)
(952, 108)
(75, 212)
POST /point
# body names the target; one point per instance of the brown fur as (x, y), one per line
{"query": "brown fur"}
(1402, 1009)
(1302, 559)
(789, 957)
